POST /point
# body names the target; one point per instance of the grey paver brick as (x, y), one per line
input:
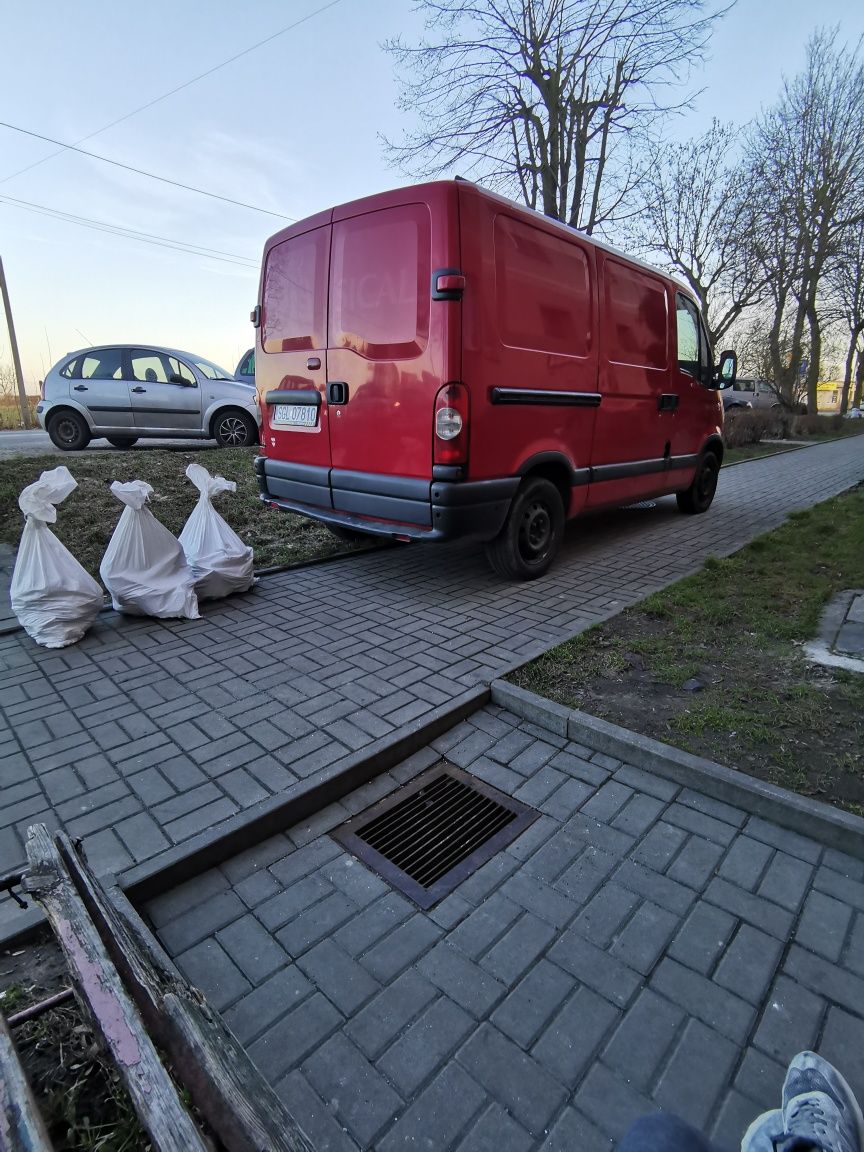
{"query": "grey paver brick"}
(733, 1119)
(749, 964)
(854, 957)
(462, 980)
(307, 930)
(647, 782)
(696, 863)
(659, 846)
(358, 1094)
(609, 1102)
(142, 836)
(372, 923)
(605, 913)
(834, 884)
(540, 898)
(760, 1077)
(703, 936)
(383, 1018)
(827, 979)
(310, 1112)
(669, 894)
(292, 1037)
(494, 1131)
(846, 865)
(595, 968)
(425, 1045)
(200, 820)
(786, 881)
(575, 1034)
(518, 948)
(291, 901)
(401, 948)
(755, 910)
(783, 839)
(485, 924)
(207, 964)
(790, 1021)
(513, 1078)
(255, 1012)
(700, 823)
(696, 1074)
(645, 937)
(721, 1010)
(567, 799)
(608, 801)
(640, 1042)
(185, 897)
(338, 976)
(572, 1131)
(532, 1002)
(446, 1107)
(252, 948)
(843, 1045)
(193, 923)
(638, 814)
(575, 765)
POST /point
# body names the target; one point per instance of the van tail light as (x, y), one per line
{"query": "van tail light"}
(451, 425)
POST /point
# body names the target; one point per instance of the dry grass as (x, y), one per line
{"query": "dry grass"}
(10, 413)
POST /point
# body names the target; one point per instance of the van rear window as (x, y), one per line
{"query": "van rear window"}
(295, 293)
(380, 294)
(636, 319)
(543, 289)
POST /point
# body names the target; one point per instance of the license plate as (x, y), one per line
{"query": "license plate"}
(298, 415)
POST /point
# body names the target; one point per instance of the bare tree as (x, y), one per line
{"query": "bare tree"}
(551, 101)
(696, 217)
(846, 284)
(807, 182)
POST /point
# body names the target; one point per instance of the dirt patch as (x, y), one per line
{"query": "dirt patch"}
(714, 664)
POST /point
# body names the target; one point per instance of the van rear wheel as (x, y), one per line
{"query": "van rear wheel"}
(697, 498)
(532, 532)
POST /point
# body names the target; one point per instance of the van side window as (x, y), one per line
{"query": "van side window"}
(688, 336)
(543, 290)
(295, 293)
(380, 296)
(636, 317)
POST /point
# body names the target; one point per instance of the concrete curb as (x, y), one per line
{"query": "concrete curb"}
(822, 822)
(226, 839)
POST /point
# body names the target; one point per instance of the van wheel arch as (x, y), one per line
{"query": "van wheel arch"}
(555, 468)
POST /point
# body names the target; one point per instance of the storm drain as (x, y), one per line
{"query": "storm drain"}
(430, 835)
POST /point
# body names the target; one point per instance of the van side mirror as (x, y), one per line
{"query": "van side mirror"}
(727, 370)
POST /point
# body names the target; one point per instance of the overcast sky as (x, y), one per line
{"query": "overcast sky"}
(291, 127)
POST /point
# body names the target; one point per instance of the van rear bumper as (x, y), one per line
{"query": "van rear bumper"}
(400, 506)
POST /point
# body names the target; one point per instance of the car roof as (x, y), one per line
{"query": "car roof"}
(143, 347)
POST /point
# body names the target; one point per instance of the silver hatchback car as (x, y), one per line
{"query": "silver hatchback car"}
(124, 392)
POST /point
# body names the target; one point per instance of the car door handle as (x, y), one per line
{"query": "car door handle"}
(80, 388)
(137, 389)
(337, 392)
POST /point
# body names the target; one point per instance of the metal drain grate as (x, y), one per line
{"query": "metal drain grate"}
(429, 836)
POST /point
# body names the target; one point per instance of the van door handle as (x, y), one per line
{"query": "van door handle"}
(80, 388)
(137, 389)
(313, 362)
(337, 392)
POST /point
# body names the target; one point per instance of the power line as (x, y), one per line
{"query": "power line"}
(179, 88)
(142, 172)
(132, 233)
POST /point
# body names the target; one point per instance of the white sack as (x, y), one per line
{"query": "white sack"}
(144, 568)
(221, 562)
(54, 599)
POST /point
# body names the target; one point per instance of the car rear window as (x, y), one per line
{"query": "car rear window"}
(543, 289)
(295, 293)
(380, 287)
(102, 364)
(636, 317)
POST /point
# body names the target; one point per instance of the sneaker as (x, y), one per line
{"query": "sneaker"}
(818, 1105)
(765, 1134)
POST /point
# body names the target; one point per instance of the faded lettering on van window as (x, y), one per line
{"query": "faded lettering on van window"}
(295, 293)
(636, 317)
(379, 300)
(543, 290)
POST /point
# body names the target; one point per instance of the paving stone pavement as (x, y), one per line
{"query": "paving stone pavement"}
(640, 946)
(148, 733)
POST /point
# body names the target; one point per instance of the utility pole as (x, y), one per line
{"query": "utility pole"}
(16, 359)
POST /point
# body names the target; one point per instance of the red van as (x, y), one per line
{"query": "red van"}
(438, 362)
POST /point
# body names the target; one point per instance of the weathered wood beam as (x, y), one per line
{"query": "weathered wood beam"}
(21, 1125)
(100, 989)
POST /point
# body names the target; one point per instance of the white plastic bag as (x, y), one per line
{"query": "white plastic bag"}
(144, 568)
(222, 563)
(54, 599)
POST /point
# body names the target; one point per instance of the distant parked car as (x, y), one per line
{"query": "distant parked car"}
(246, 368)
(124, 392)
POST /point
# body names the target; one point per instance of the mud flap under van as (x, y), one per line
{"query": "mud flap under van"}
(401, 506)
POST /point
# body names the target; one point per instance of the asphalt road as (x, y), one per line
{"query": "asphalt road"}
(38, 443)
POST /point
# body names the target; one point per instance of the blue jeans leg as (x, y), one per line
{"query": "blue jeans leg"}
(664, 1133)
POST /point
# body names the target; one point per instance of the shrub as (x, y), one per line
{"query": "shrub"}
(816, 425)
(743, 426)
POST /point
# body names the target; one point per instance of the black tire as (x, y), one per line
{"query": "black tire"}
(532, 532)
(122, 441)
(68, 431)
(347, 535)
(698, 497)
(234, 429)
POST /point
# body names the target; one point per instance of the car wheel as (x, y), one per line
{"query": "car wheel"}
(529, 541)
(347, 535)
(233, 429)
(697, 498)
(69, 431)
(122, 441)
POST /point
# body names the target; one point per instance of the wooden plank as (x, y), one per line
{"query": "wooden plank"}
(101, 991)
(225, 1086)
(21, 1125)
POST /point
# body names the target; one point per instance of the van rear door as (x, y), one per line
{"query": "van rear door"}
(390, 348)
(291, 366)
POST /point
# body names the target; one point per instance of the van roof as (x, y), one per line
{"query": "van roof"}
(396, 195)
